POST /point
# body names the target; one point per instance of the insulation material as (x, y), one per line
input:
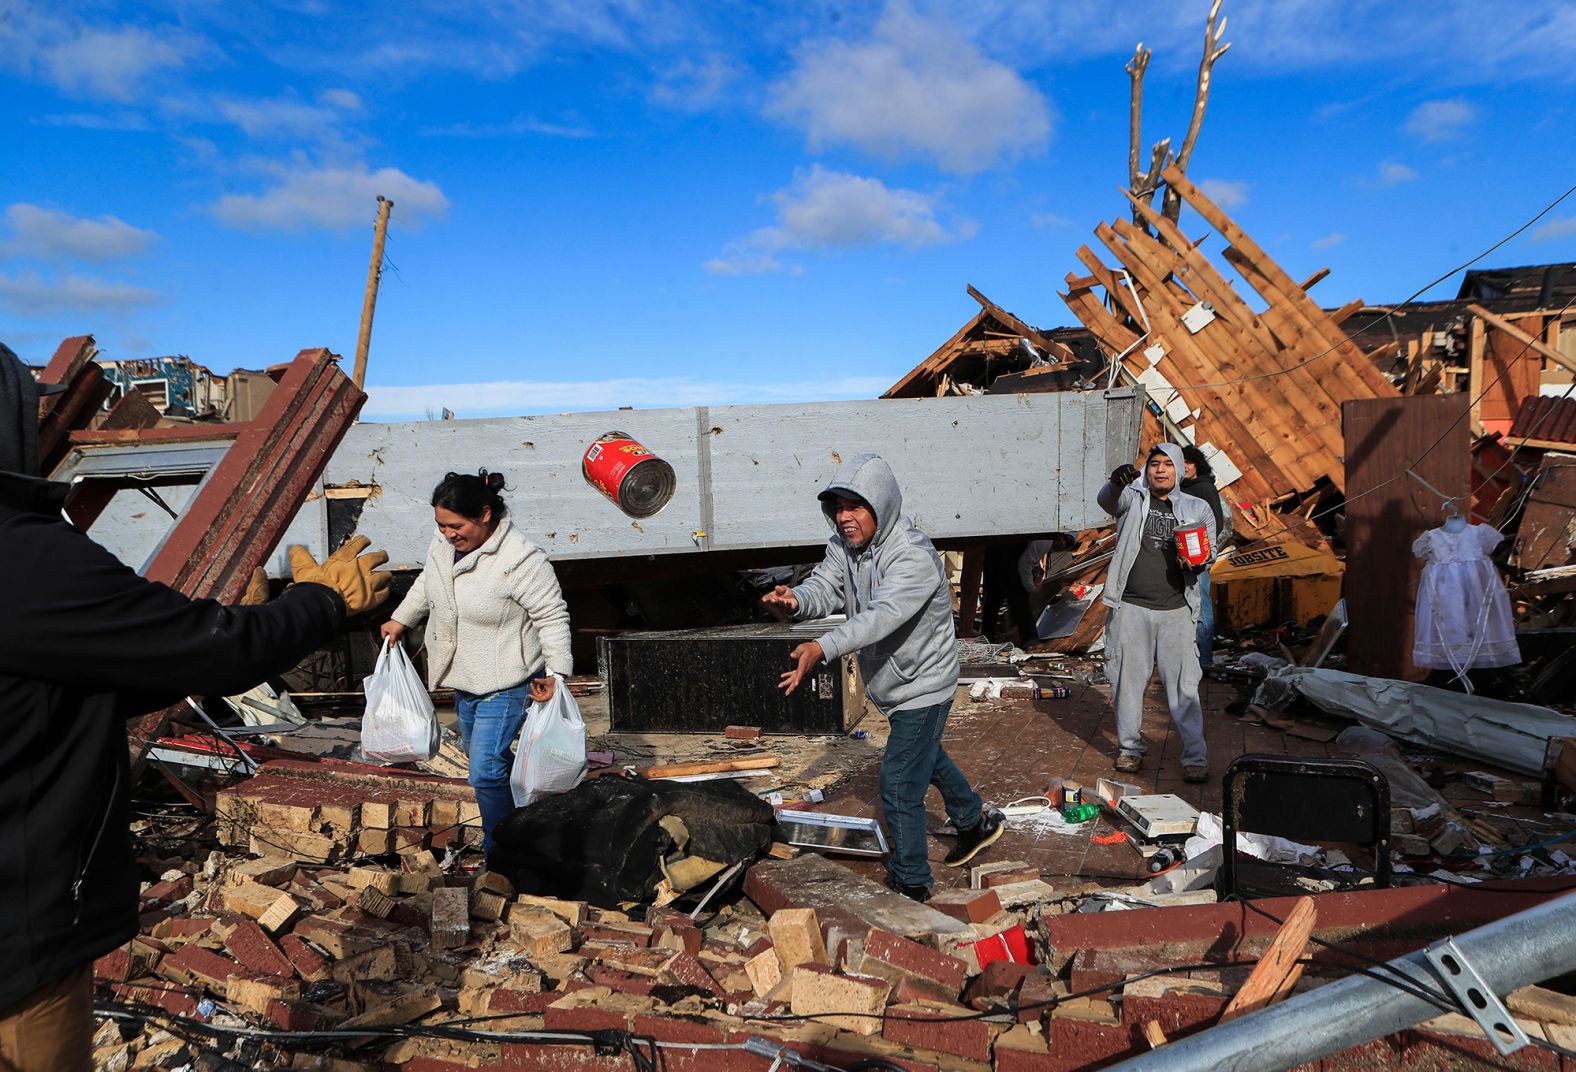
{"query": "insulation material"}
(1510, 735)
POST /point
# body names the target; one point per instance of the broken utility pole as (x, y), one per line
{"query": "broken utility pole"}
(374, 276)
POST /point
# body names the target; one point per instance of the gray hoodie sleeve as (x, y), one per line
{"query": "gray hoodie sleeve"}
(1113, 498)
(1214, 536)
(821, 593)
(906, 587)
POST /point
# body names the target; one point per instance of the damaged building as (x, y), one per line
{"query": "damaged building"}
(1375, 875)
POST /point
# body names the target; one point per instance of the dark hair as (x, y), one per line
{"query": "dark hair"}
(469, 495)
(1192, 454)
(1153, 451)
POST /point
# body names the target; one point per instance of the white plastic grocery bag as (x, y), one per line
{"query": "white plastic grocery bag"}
(400, 725)
(551, 754)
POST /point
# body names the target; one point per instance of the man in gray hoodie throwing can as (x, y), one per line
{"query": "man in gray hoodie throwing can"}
(886, 576)
(1155, 603)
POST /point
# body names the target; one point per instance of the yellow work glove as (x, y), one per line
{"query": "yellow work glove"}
(347, 571)
(256, 589)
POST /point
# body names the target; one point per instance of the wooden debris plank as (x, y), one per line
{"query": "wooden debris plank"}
(718, 766)
(939, 360)
(1210, 284)
(1274, 285)
(1548, 522)
(1216, 408)
(1278, 969)
(1520, 336)
(1052, 349)
(1334, 374)
(1245, 430)
(1113, 335)
(1268, 398)
(1111, 280)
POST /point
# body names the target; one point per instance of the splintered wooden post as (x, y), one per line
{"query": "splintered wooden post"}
(1278, 969)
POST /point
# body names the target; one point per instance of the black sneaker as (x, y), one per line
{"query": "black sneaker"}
(975, 838)
(913, 893)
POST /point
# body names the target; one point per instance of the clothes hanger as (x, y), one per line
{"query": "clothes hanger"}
(1454, 522)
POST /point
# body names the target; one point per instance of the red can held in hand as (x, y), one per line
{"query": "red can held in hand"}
(1193, 545)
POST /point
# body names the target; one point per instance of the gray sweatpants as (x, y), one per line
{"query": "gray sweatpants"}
(1137, 640)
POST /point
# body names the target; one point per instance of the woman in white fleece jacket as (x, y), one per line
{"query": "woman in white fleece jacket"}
(497, 630)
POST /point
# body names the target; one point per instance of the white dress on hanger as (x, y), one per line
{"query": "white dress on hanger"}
(1463, 611)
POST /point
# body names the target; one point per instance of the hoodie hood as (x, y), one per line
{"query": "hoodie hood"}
(18, 415)
(1172, 451)
(870, 478)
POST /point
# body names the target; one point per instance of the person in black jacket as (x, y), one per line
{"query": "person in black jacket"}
(1199, 479)
(85, 644)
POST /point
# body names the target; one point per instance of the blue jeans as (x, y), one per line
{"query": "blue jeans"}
(913, 761)
(1206, 622)
(489, 726)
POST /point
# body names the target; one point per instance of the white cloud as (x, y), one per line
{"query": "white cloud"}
(1441, 120)
(1558, 227)
(1526, 40)
(519, 126)
(519, 397)
(825, 209)
(291, 117)
(1329, 241)
(344, 99)
(918, 88)
(30, 294)
(743, 258)
(692, 85)
(50, 234)
(331, 197)
(1394, 173)
(1227, 193)
(1048, 221)
(98, 61)
(94, 121)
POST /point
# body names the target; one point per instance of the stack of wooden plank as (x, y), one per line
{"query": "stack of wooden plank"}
(1259, 390)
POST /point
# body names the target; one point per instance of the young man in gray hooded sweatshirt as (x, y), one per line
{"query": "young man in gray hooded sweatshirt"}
(1155, 604)
(886, 576)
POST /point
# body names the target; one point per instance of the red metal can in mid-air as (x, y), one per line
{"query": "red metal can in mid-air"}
(1193, 545)
(636, 480)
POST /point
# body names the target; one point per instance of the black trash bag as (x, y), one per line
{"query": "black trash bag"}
(600, 842)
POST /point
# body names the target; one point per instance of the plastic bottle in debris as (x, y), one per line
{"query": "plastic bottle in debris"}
(1080, 813)
(1164, 859)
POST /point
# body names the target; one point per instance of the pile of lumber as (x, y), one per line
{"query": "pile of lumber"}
(1261, 391)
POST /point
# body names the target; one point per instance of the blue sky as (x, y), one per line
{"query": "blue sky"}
(620, 202)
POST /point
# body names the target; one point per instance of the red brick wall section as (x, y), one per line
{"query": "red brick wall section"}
(251, 947)
(915, 959)
(926, 1028)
